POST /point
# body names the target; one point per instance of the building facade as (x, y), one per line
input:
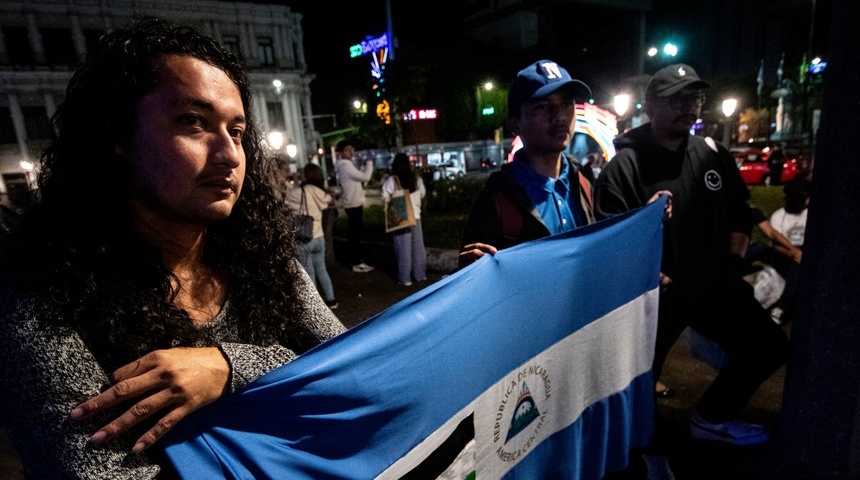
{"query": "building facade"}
(43, 42)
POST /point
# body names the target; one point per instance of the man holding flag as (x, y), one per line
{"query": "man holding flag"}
(702, 250)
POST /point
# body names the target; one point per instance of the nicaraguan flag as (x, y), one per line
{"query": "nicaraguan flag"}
(533, 363)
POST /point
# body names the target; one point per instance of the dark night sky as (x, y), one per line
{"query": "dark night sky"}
(330, 28)
(426, 29)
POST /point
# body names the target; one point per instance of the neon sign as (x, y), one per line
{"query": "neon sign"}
(368, 46)
(420, 114)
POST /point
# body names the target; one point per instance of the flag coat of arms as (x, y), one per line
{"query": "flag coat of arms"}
(533, 363)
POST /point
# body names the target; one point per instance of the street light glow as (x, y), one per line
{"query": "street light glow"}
(292, 150)
(729, 106)
(488, 86)
(621, 103)
(652, 51)
(670, 49)
(275, 139)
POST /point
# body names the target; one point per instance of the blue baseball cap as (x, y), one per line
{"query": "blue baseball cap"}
(539, 80)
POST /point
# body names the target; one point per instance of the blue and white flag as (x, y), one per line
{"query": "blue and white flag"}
(533, 363)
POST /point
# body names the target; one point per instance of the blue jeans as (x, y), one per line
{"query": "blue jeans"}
(410, 253)
(312, 257)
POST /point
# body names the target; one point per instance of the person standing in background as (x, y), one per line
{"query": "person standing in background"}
(312, 254)
(790, 221)
(775, 164)
(703, 242)
(408, 242)
(351, 181)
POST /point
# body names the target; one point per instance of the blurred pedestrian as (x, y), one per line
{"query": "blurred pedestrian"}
(790, 221)
(596, 161)
(703, 243)
(763, 251)
(408, 242)
(775, 163)
(313, 198)
(351, 184)
(152, 276)
(542, 191)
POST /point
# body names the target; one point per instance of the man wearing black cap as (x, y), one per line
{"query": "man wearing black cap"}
(703, 243)
(542, 192)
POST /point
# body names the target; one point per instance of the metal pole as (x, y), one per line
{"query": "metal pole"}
(390, 30)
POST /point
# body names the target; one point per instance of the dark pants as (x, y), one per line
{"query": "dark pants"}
(731, 316)
(775, 174)
(354, 227)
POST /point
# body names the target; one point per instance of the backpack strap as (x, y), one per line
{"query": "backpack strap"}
(585, 185)
(510, 217)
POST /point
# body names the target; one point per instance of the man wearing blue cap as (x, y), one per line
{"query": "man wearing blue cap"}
(703, 246)
(542, 192)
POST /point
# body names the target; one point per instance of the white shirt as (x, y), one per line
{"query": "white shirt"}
(792, 225)
(388, 187)
(350, 180)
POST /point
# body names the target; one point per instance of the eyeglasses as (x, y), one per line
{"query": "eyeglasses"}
(682, 100)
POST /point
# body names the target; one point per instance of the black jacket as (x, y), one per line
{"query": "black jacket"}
(709, 201)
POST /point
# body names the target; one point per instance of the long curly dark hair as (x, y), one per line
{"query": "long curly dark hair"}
(77, 247)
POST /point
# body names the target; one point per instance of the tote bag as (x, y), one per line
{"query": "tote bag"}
(305, 231)
(398, 209)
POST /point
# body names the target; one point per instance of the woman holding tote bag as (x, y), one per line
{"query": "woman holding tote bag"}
(408, 242)
(312, 254)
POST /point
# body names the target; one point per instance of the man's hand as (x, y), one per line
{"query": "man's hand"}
(796, 255)
(667, 212)
(473, 251)
(171, 383)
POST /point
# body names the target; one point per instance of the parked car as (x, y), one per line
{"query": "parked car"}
(752, 163)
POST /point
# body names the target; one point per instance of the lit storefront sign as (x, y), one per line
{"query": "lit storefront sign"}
(420, 114)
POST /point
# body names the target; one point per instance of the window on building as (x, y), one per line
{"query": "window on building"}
(232, 44)
(275, 112)
(91, 37)
(7, 128)
(18, 46)
(265, 51)
(36, 122)
(59, 47)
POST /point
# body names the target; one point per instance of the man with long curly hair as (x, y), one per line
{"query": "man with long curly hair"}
(155, 271)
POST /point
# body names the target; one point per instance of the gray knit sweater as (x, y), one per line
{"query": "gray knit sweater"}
(46, 370)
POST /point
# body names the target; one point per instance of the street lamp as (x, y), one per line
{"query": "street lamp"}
(729, 106)
(275, 139)
(670, 49)
(621, 103)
